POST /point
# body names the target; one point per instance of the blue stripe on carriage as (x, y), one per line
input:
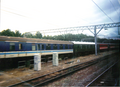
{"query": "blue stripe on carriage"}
(57, 51)
(2, 53)
(8, 53)
(36, 52)
(21, 52)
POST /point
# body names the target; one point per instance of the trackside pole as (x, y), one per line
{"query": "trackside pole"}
(55, 59)
(37, 62)
(95, 35)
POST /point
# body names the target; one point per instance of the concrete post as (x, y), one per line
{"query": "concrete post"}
(55, 59)
(37, 62)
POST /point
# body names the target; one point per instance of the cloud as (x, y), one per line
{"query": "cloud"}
(119, 1)
(33, 15)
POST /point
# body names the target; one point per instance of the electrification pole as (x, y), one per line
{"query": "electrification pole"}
(95, 36)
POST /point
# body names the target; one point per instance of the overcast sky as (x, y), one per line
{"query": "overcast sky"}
(33, 15)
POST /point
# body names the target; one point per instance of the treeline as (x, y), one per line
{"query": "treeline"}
(8, 32)
(65, 37)
(68, 37)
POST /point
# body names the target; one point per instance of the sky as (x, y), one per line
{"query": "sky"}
(34, 15)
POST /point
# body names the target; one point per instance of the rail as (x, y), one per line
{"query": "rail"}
(57, 74)
(100, 75)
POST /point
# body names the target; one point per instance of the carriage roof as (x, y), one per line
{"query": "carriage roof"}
(32, 40)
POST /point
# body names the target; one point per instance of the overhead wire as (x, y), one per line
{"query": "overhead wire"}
(102, 11)
(114, 8)
(14, 13)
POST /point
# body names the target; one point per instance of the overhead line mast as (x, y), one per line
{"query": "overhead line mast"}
(90, 28)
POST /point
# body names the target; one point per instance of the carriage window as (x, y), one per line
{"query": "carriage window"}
(38, 47)
(20, 46)
(33, 46)
(71, 46)
(81, 46)
(42, 46)
(93, 46)
(88, 46)
(61, 46)
(55, 46)
(48, 46)
(66, 46)
(12, 46)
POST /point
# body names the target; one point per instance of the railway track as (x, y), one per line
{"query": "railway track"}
(39, 81)
(98, 80)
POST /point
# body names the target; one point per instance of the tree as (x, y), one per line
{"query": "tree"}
(28, 35)
(17, 34)
(38, 35)
(7, 32)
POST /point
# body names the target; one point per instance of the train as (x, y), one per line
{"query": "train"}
(11, 47)
(16, 52)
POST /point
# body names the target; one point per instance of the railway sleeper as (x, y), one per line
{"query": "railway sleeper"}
(65, 71)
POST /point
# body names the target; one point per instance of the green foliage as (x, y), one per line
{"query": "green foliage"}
(65, 37)
(30, 35)
(18, 34)
(38, 35)
(7, 32)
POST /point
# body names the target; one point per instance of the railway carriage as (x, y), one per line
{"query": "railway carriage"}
(20, 47)
(83, 48)
(17, 51)
(108, 46)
